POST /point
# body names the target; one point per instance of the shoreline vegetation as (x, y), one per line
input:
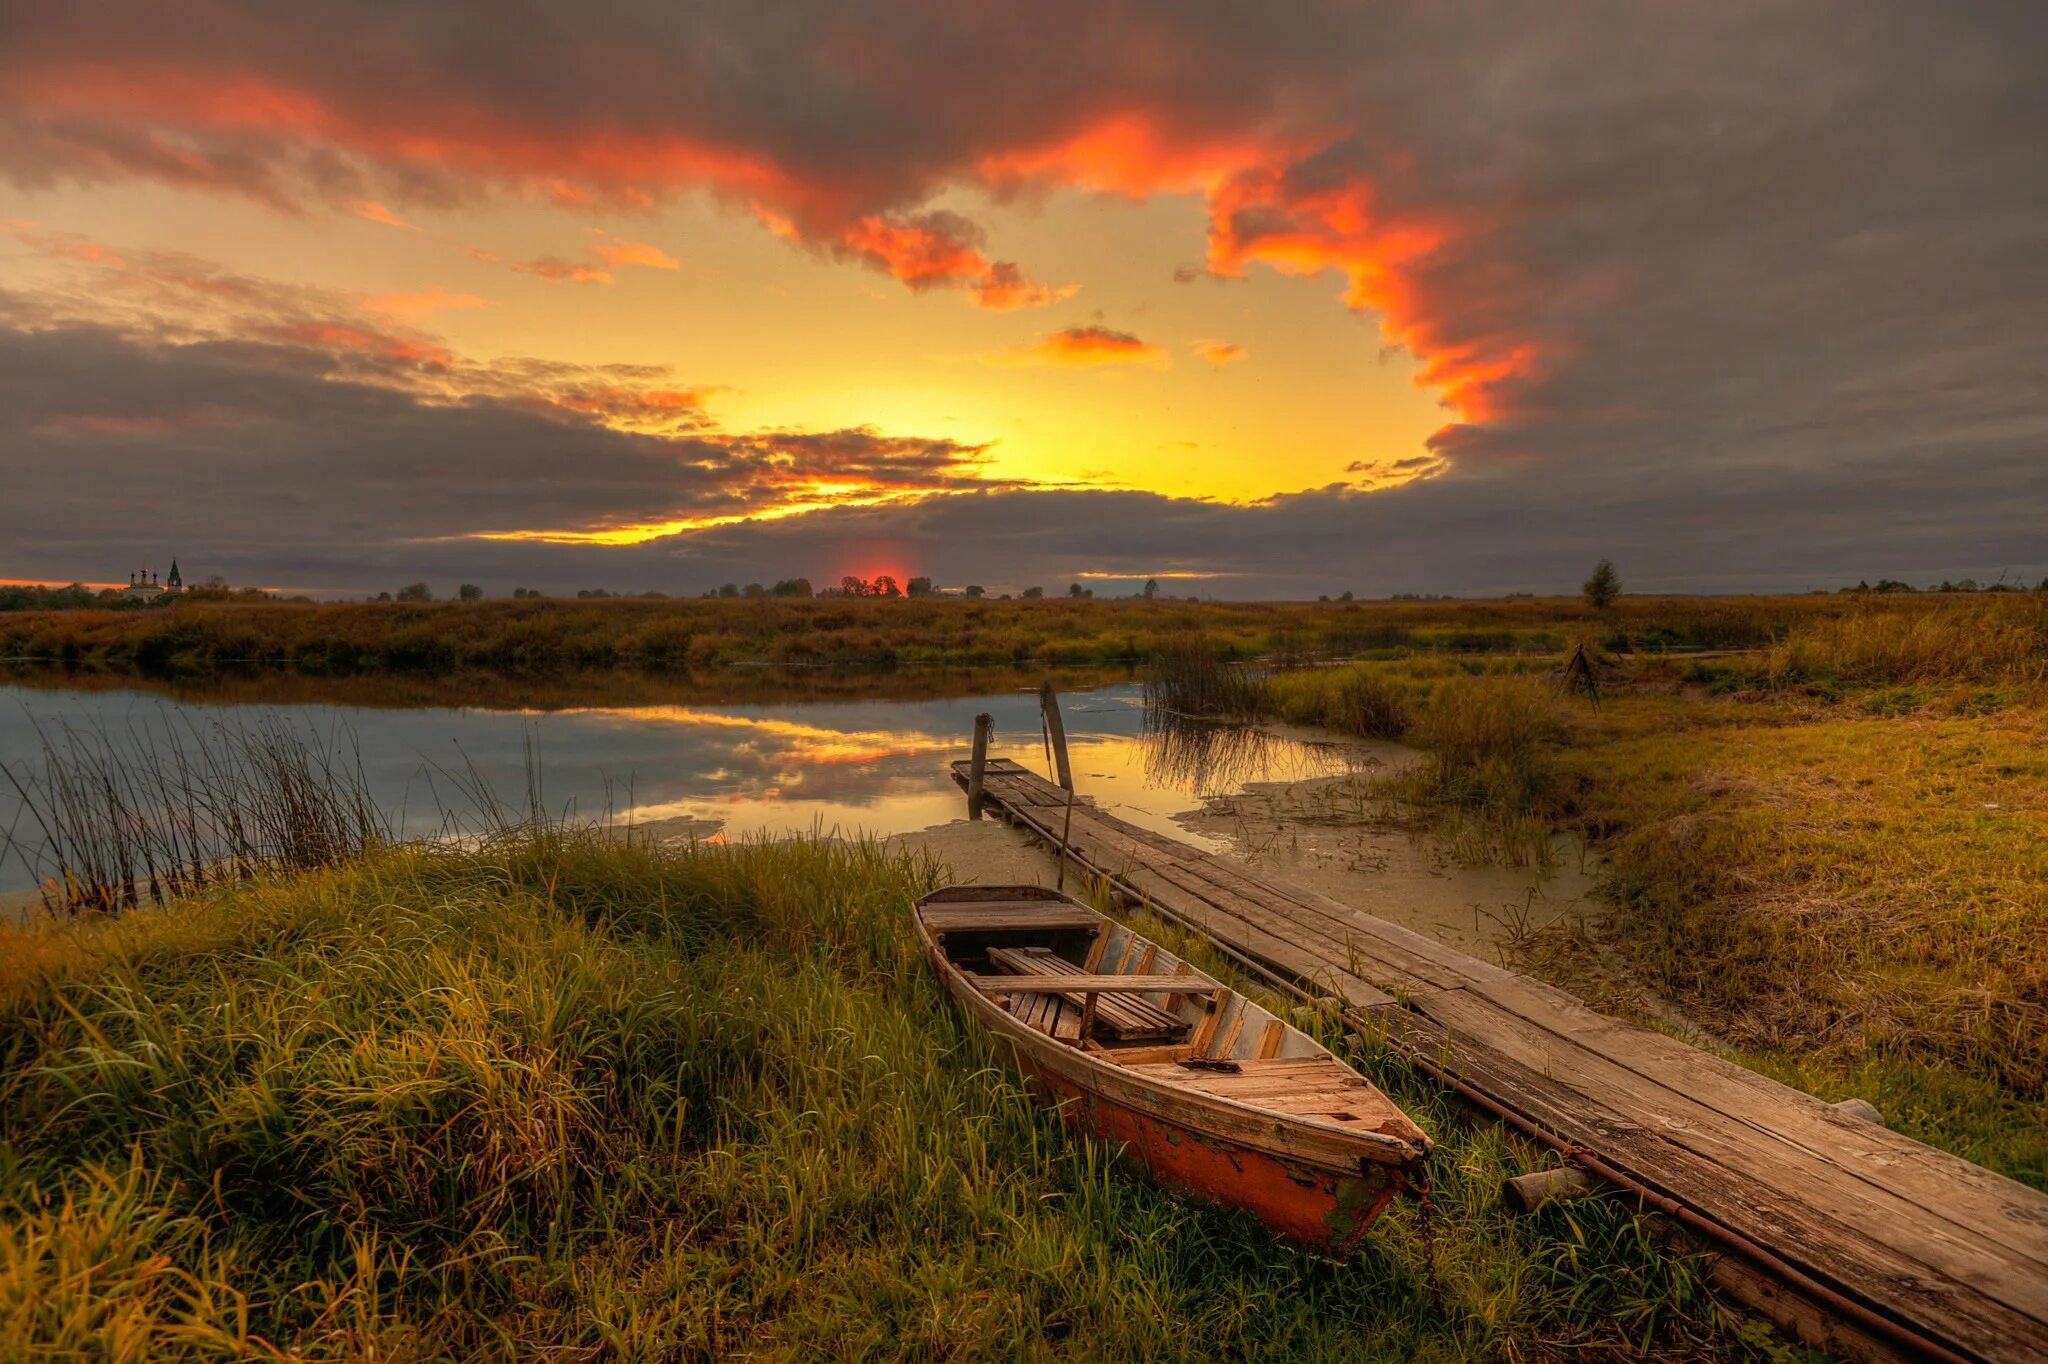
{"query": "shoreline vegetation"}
(547, 1088)
(1830, 853)
(202, 638)
(560, 1091)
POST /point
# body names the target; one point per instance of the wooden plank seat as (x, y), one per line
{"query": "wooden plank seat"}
(1118, 1016)
(1010, 916)
(1308, 1086)
(1060, 983)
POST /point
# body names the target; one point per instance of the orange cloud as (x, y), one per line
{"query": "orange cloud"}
(1261, 212)
(1292, 192)
(555, 270)
(934, 249)
(621, 251)
(344, 336)
(1220, 353)
(377, 213)
(1086, 346)
(1002, 287)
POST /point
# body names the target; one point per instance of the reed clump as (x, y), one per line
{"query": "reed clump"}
(1484, 782)
(161, 810)
(559, 1095)
(1193, 676)
(1359, 699)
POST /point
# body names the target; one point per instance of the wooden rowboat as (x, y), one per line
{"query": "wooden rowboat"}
(1212, 1093)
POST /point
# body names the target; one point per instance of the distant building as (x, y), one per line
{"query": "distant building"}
(143, 584)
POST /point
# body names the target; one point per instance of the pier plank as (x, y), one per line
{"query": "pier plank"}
(1955, 1251)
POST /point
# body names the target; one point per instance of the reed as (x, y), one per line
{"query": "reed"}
(568, 1096)
(161, 809)
(1358, 699)
(1193, 676)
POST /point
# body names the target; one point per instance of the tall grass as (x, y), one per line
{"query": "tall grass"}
(1192, 676)
(1359, 699)
(559, 1096)
(1992, 639)
(161, 810)
(1483, 783)
(202, 638)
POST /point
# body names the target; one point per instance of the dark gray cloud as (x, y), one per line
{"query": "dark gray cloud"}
(1751, 293)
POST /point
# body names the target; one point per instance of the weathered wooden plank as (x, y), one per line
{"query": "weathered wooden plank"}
(1121, 1013)
(1973, 1199)
(1078, 984)
(1284, 949)
(1859, 1261)
(1784, 1133)
(1387, 960)
(993, 916)
(1923, 1236)
(1841, 1221)
(1400, 947)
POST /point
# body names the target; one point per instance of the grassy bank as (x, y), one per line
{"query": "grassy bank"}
(557, 1094)
(200, 638)
(1833, 854)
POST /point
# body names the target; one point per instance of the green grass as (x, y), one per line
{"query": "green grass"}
(560, 1094)
(1832, 855)
(204, 638)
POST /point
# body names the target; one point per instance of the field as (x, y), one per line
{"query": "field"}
(1831, 854)
(202, 639)
(558, 1092)
(557, 1096)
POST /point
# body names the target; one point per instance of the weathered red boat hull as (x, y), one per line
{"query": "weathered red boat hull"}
(1314, 1207)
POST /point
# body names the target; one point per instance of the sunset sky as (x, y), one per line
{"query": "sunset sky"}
(1258, 300)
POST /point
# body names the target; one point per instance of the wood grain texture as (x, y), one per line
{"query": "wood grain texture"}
(1955, 1251)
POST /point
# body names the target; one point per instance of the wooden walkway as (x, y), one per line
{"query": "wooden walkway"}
(1952, 1258)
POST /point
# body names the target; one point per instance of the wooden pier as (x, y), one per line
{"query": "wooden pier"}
(1847, 1234)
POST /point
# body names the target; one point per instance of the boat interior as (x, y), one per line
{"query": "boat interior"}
(1086, 981)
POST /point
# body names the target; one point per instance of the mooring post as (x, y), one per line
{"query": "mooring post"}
(1056, 730)
(983, 724)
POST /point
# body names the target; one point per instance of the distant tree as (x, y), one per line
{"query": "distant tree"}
(885, 586)
(918, 587)
(1074, 590)
(1033, 593)
(1603, 587)
(753, 590)
(852, 586)
(792, 587)
(469, 592)
(1151, 588)
(415, 592)
(2043, 587)
(729, 590)
(976, 590)
(1323, 596)
(383, 596)
(1890, 585)
(591, 593)
(1343, 596)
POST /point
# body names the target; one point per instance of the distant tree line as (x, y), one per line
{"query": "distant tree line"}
(79, 597)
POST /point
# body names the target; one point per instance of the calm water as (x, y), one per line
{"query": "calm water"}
(875, 766)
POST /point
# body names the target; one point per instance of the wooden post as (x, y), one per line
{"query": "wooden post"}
(1066, 834)
(1056, 729)
(982, 725)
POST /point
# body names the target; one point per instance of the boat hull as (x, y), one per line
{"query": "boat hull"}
(1319, 1208)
